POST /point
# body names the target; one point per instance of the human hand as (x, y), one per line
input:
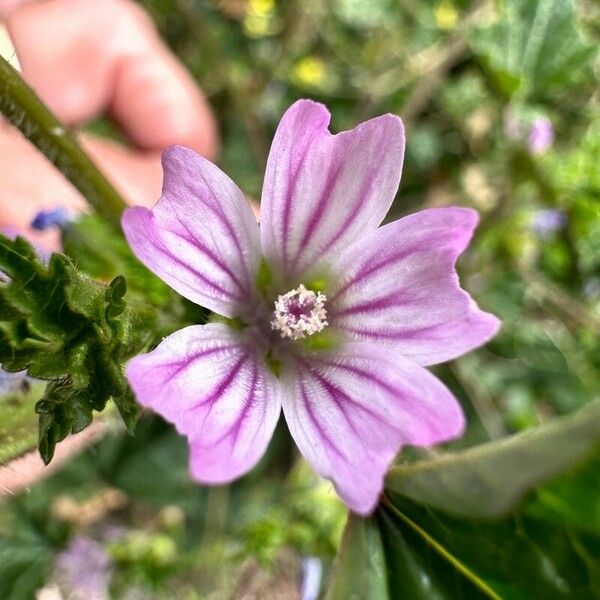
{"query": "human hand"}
(85, 58)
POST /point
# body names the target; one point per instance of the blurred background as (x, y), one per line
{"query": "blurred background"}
(500, 103)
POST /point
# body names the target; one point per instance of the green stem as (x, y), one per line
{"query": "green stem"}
(21, 106)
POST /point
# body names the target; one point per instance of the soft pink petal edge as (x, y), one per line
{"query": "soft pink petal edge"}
(352, 410)
(400, 287)
(201, 237)
(211, 385)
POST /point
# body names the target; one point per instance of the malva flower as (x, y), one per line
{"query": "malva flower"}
(326, 314)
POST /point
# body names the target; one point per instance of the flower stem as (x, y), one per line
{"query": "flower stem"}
(21, 106)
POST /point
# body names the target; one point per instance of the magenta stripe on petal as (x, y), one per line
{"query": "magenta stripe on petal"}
(322, 191)
(201, 237)
(218, 391)
(400, 287)
(211, 383)
(350, 412)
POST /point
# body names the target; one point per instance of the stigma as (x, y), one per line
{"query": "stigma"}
(299, 313)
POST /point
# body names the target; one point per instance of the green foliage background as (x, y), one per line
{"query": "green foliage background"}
(469, 79)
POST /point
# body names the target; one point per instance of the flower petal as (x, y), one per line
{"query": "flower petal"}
(212, 385)
(201, 237)
(400, 286)
(322, 190)
(351, 411)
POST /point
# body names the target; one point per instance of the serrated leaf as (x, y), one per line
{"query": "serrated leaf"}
(93, 247)
(18, 426)
(75, 332)
(92, 244)
(129, 410)
(84, 296)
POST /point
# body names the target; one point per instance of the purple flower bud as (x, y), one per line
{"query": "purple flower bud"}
(547, 221)
(541, 135)
(45, 219)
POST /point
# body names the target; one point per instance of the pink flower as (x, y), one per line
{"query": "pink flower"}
(332, 317)
(541, 135)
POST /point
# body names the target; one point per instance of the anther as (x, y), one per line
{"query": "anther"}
(299, 313)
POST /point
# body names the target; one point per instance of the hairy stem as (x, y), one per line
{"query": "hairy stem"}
(21, 106)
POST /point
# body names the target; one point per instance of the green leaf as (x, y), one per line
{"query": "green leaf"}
(533, 46)
(98, 252)
(62, 409)
(429, 554)
(126, 462)
(562, 502)
(359, 571)
(24, 566)
(419, 567)
(453, 527)
(513, 557)
(488, 480)
(68, 329)
(18, 425)
(29, 542)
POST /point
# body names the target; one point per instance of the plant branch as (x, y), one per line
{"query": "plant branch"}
(542, 289)
(21, 106)
(438, 62)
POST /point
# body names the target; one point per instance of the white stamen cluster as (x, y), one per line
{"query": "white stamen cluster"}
(299, 313)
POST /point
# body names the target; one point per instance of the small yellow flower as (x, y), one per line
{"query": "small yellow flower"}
(310, 71)
(259, 18)
(446, 15)
(261, 7)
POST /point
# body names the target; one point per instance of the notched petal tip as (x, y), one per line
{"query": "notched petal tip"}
(318, 116)
(201, 237)
(485, 325)
(391, 125)
(401, 287)
(466, 221)
(172, 152)
(321, 190)
(460, 223)
(315, 113)
(363, 507)
(179, 162)
(177, 154)
(131, 219)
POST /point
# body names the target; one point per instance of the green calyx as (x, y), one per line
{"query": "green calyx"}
(264, 278)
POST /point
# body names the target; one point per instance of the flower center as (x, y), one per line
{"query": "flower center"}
(299, 313)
